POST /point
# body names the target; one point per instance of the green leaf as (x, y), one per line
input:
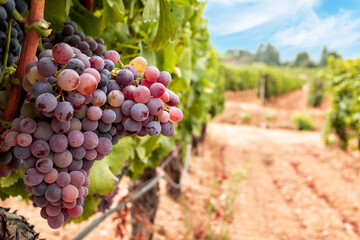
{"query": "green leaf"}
(141, 153)
(90, 208)
(56, 12)
(119, 155)
(102, 180)
(150, 11)
(166, 28)
(16, 189)
(150, 145)
(12, 179)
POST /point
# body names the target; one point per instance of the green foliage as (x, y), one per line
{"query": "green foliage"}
(303, 60)
(268, 55)
(265, 53)
(277, 81)
(316, 90)
(303, 122)
(344, 88)
(241, 78)
(325, 54)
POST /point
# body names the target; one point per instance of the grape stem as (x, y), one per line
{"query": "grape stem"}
(31, 41)
(17, 16)
(6, 52)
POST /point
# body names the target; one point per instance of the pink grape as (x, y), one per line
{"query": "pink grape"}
(24, 139)
(40, 149)
(44, 165)
(91, 154)
(75, 211)
(94, 113)
(165, 97)
(52, 211)
(108, 116)
(97, 63)
(62, 53)
(56, 222)
(33, 177)
(60, 127)
(151, 73)
(63, 179)
(87, 84)
(77, 178)
(176, 115)
(27, 125)
(139, 112)
(76, 99)
(58, 143)
(164, 78)
(163, 117)
(99, 98)
(91, 140)
(70, 193)
(156, 106)
(146, 83)
(93, 72)
(157, 89)
(142, 94)
(104, 147)
(112, 55)
(63, 159)
(46, 102)
(68, 80)
(43, 131)
(128, 92)
(64, 111)
(11, 138)
(51, 176)
(116, 98)
(75, 138)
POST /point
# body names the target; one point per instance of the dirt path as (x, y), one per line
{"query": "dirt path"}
(296, 187)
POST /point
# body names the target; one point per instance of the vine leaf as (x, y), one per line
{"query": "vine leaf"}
(150, 11)
(166, 28)
(119, 155)
(56, 12)
(12, 179)
(102, 180)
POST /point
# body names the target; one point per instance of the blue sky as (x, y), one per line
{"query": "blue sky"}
(290, 25)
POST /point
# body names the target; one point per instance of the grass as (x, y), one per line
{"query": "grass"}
(303, 122)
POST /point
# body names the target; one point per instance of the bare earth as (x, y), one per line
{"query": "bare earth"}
(295, 186)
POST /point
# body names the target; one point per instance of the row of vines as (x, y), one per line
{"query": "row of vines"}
(171, 35)
(276, 81)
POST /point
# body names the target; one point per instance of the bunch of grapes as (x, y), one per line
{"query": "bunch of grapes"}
(74, 38)
(16, 33)
(8, 162)
(77, 108)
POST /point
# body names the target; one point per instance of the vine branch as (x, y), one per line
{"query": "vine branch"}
(28, 52)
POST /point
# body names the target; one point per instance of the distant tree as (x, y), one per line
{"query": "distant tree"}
(325, 54)
(239, 56)
(303, 60)
(267, 54)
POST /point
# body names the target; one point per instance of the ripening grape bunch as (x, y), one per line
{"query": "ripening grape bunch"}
(76, 109)
(16, 33)
(70, 35)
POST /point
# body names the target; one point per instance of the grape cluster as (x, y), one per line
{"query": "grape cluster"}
(74, 38)
(16, 32)
(77, 108)
(8, 162)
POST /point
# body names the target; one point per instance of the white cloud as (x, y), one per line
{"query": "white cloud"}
(336, 32)
(232, 16)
